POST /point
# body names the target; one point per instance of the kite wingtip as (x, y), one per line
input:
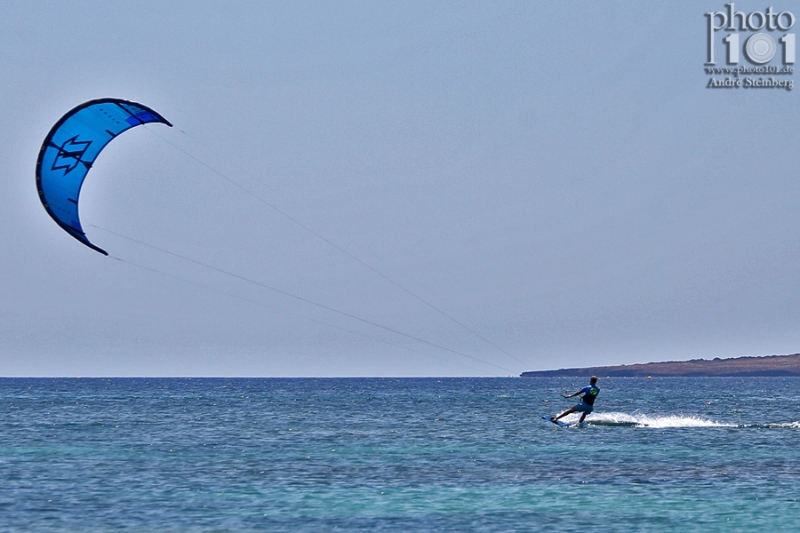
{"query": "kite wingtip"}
(98, 249)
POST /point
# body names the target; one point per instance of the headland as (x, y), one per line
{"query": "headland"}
(748, 366)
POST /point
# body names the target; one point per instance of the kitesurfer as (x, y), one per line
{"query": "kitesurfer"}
(586, 405)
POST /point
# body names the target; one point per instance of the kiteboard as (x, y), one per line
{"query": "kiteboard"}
(556, 422)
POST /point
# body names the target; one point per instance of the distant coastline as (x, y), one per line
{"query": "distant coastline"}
(748, 366)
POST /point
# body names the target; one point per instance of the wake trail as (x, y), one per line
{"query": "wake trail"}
(617, 419)
(653, 421)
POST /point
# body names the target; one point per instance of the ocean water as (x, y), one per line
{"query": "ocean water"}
(415, 455)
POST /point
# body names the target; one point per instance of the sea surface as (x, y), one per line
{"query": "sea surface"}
(410, 455)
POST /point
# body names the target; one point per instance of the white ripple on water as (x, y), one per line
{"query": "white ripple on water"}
(789, 425)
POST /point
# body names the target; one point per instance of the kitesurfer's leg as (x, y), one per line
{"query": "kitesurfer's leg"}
(565, 413)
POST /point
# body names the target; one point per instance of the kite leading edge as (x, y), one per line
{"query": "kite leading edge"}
(72, 146)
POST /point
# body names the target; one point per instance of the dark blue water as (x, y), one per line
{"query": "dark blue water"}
(695, 454)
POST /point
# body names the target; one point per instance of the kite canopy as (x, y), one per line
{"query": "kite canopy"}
(70, 149)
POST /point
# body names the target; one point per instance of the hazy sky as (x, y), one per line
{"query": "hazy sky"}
(397, 189)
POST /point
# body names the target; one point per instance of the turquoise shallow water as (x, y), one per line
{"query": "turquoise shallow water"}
(203, 455)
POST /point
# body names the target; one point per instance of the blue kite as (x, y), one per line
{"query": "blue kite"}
(72, 146)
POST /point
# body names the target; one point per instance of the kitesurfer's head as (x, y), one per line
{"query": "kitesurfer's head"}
(593, 380)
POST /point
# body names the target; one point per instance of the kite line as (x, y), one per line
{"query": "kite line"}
(299, 298)
(320, 236)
